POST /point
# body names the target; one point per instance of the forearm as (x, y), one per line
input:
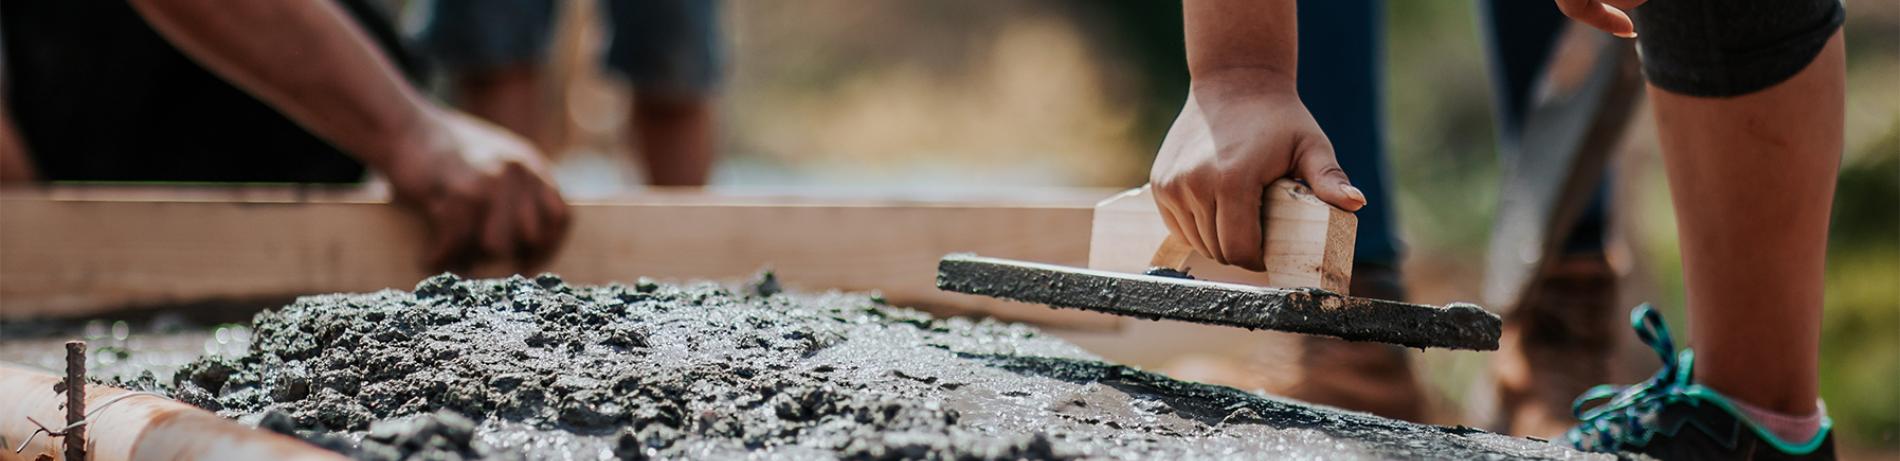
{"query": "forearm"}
(15, 165)
(1254, 40)
(307, 59)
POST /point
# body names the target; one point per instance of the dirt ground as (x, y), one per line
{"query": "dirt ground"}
(535, 368)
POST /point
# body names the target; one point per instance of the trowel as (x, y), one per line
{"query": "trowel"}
(1308, 253)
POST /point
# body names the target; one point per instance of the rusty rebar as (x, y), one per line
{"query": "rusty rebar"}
(75, 434)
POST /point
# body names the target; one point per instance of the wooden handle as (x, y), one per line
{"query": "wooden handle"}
(1309, 243)
(1173, 254)
(1305, 241)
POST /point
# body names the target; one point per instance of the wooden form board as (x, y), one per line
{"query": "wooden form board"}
(71, 250)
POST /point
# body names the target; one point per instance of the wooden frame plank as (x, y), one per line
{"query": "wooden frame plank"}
(71, 250)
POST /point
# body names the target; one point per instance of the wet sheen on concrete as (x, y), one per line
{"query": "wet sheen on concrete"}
(1306, 310)
(536, 368)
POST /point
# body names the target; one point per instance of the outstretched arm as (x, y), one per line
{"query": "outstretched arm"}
(1242, 128)
(307, 59)
(484, 191)
(15, 166)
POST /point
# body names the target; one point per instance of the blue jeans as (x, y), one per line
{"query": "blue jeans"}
(1340, 82)
(662, 46)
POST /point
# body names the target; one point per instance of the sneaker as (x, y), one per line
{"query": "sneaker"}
(1671, 417)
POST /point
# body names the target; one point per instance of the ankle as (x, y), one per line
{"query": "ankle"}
(1769, 390)
(1791, 428)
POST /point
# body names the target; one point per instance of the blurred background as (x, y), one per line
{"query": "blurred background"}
(946, 94)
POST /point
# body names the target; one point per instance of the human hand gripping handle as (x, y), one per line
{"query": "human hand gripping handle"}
(1230, 142)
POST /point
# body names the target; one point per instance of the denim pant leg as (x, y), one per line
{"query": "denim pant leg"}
(1520, 36)
(1341, 83)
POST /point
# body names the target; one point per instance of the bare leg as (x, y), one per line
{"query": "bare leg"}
(675, 136)
(1752, 178)
(510, 97)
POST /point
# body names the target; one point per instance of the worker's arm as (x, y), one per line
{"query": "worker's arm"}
(15, 165)
(1243, 126)
(484, 191)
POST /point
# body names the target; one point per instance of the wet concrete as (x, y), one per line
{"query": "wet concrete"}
(535, 368)
(1307, 310)
(122, 349)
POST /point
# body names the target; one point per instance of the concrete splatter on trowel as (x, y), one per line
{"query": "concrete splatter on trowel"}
(1300, 310)
(1138, 268)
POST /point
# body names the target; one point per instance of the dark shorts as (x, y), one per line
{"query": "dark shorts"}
(669, 46)
(1719, 48)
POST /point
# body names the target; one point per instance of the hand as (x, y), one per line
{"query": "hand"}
(1229, 142)
(485, 193)
(1606, 15)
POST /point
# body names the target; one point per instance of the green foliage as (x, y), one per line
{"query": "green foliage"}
(1860, 350)
(1441, 143)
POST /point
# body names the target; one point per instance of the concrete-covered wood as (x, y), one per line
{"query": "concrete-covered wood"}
(1303, 310)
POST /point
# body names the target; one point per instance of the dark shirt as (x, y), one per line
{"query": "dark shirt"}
(98, 95)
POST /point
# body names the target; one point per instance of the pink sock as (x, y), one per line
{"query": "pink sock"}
(1791, 429)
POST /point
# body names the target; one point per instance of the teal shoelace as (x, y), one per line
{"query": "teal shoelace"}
(1628, 417)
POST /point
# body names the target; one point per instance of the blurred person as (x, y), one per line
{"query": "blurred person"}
(1748, 100)
(1572, 305)
(292, 91)
(1567, 311)
(495, 54)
